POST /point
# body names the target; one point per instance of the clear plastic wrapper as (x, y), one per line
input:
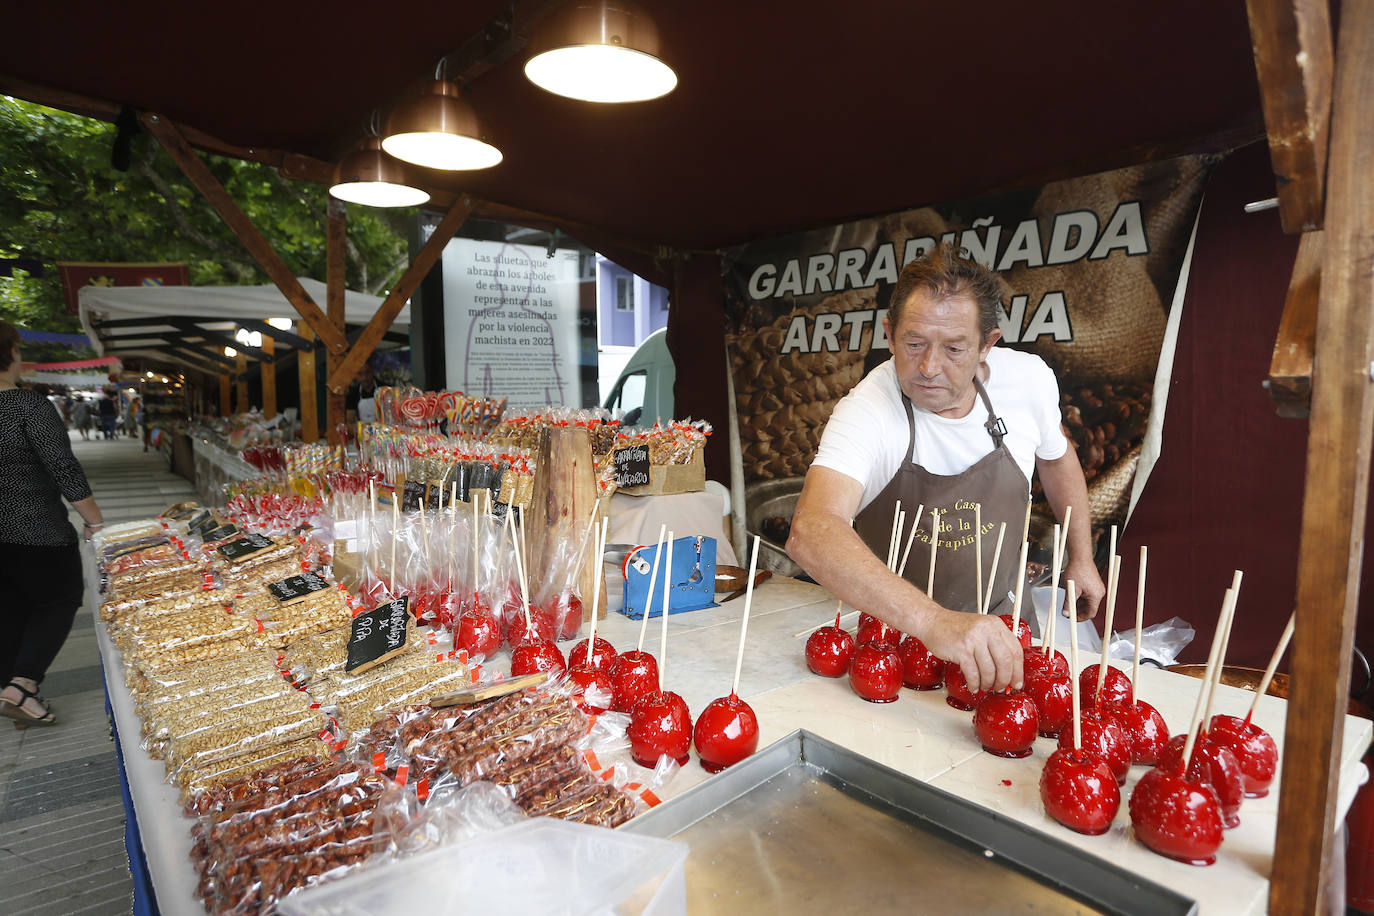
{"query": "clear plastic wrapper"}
(196, 782)
(250, 701)
(221, 741)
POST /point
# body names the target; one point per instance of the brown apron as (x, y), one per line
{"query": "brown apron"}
(995, 481)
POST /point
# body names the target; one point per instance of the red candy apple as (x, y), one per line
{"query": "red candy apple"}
(1005, 723)
(593, 692)
(1146, 729)
(957, 693)
(726, 732)
(1176, 816)
(829, 651)
(1103, 736)
(1023, 630)
(660, 724)
(874, 630)
(539, 629)
(565, 610)
(478, 633)
(634, 676)
(921, 670)
(1036, 663)
(1079, 791)
(876, 673)
(1213, 764)
(603, 657)
(1254, 748)
(1053, 696)
(1116, 690)
(537, 656)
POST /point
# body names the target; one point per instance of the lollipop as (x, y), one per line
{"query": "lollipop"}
(876, 673)
(921, 669)
(829, 650)
(595, 691)
(660, 722)
(1006, 722)
(1097, 731)
(1254, 747)
(533, 654)
(727, 730)
(1142, 722)
(635, 673)
(594, 652)
(1106, 684)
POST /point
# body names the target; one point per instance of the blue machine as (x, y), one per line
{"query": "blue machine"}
(692, 583)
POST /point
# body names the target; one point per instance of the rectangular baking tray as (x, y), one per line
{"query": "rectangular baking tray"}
(808, 826)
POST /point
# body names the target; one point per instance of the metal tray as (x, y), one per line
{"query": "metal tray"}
(807, 826)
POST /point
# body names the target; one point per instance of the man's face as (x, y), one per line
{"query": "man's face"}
(937, 349)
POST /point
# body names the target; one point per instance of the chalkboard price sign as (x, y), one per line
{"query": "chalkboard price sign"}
(412, 495)
(202, 522)
(378, 634)
(220, 533)
(245, 547)
(631, 466)
(297, 588)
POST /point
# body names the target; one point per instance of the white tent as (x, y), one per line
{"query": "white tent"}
(215, 308)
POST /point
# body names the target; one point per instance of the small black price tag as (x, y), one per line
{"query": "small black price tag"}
(411, 496)
(245, 547)
(378, 634)
(220, 533)
(202, 523)
(631, 465)
(296, 588)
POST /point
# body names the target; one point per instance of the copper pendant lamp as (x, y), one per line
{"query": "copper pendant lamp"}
(599, 51)
(439, 130)
(370, 177)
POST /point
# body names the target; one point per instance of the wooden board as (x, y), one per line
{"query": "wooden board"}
(1290, 369)
(479, 692)
(305, 372)
(564, 490)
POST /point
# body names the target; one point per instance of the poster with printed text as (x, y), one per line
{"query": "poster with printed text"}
(510, 322)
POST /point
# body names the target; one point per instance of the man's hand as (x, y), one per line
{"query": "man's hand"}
(981, 645)
(1085, 578)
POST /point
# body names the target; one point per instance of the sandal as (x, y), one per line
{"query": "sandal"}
(21, 716)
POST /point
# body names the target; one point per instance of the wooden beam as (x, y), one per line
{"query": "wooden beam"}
(226, 408)
(269, 382)
(1291, 40)
(241, 376)
(266, 330)
(336, 277)
(189, 328)
(1290, 369)
(400, 293)
(261, 250)
(305, 372)
(1336, 487)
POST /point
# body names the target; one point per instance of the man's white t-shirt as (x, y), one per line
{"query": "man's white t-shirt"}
(866, 437)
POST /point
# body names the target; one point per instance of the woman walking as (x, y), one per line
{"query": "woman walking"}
(40, 561)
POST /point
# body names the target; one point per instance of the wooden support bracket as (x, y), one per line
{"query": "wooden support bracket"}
(429, 253)
(1291, 40)
(199, 174)
(1290, 370)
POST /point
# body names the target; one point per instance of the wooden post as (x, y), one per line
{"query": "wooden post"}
(400, 293)
(261, 250)
(305, 370)
(269, 381)
(335, 286)
(241, 375)
(1290, 369)
(226, 407)
(564, 490)
(1335, 489)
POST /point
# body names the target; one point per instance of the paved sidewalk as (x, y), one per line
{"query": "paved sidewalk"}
(61, 819)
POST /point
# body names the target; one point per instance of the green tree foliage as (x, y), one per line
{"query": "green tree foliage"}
(61, 200)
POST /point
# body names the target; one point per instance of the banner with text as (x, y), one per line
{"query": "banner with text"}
(1089, 266)
(510, 322)
(76, 274)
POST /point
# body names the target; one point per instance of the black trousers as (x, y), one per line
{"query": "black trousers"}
(40, 591)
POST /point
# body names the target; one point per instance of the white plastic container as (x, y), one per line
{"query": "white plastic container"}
(542, 865)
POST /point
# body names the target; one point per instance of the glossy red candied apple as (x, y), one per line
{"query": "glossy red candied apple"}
(1006, 723)
(1116, 689)
(921, 669)
(1102, 735)
(1036, 662)
(957, 693)
(633, 677)
(829, 651)
(876, 673)
(660, 724)
(1176, 816)
(603, 656)
(565, 610)
(479, 634)
(726, 732)
(537, 656)
(1079, 791)
(1053, 697)
(1254, 748)
(874, 630)
(592, 692)
(1146, 729)
(1023, 630)
(539, 629)
(1215, 765)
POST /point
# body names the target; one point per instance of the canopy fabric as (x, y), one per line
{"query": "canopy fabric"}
(71, 340)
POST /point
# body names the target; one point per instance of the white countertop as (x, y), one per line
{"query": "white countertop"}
(918, 735)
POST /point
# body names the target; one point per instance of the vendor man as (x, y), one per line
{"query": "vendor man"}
(950, 422)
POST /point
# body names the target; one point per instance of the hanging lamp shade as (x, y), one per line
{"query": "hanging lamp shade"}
(599, 51)
(369, 177)
(439, 130)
